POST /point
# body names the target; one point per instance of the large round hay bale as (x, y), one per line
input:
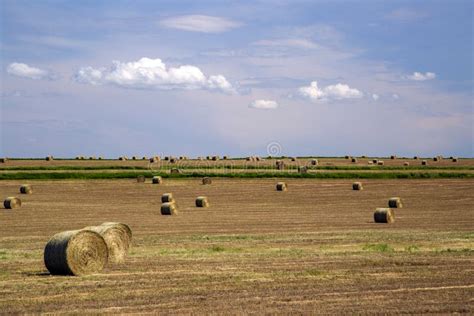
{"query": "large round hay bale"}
(3, 160)
(370, 162)
(26, 189)
(416, 157)
(153, 159)
(380, 163)
(76, 252)
(167, 198)
(454, 159)
(215, 158)
(357, 186)
(134, 157)
(175, 171)
(314, 162)
(395, 202)
(435, 159)
(347, 157)
(122, 158)
(156, 180)
(141, 179)
(144, 158)
(225, 158)
(281, 186)
(172, 160)
(393, 157)
(384, 215)
(202, 201)
(118, 238)
(49, 158)
(375, 161)
(280, 164)
(302, 169)
(100, 158)
(12, 202)
(206, 180)
(424, 163)
(293, 159)
(406, 163)
(169, 209)
(354, 160)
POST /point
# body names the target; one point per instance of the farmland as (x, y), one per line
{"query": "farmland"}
(313, 248)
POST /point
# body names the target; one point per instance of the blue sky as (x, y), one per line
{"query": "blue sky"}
(214, 77)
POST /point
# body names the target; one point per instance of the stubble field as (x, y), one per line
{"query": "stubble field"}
(312, 249)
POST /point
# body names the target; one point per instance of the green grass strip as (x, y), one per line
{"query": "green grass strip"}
(329, 175)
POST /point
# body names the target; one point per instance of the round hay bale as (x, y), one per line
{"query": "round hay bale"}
(302, 169)
(12, 202)
(153, 159)
(281, 186)
(416, 157)
(118, 238)
(49, 158)
(225, 158)
(92, 158)
(122, 158)
(370, 162)
(280, 164)
(293, 159)
(3, 160)
(357, 186)
(78, 158)
(206, 180)
(100, 157)
(169, 209)
(26, 189)
(435, 159)
(175, 171)
(172, 160)
(167, 158)
(141, 179)
(424, 163)
(395, 202)
(156, 180)
(215, 158)
(347, 157)
(258, 158)
(202, 201)
(144, 158)
(354, 160)
(393, 157)
(76, 252)
(406, 163)
(454, 159)
(134, 157)
(375, 161)
(380, 163)
(314, 162)
(384, 215)
(208, 157)
(167, 198)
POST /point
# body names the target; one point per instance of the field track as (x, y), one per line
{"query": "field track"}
(311, 249)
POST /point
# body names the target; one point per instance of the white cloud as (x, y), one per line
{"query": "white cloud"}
(152, 73)
(332, 92)
(375, 97)
(264, 104)
(25, 71)
(419, 76)
(200, 23)
(288, 42)
(395, 96)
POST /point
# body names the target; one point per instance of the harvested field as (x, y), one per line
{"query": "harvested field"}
(254, 250)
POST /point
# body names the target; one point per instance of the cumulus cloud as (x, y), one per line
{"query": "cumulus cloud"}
(375, 97)
(200, 23)
(25, 71)
(332, 92)
(264, 104)
(153, 74)
(419, 76)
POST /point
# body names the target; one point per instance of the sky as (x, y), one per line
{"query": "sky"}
(237, 78)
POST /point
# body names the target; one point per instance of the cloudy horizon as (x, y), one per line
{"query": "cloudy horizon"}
(146, 77)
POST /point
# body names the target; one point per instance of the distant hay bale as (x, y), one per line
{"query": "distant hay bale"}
(375, 161)
(416, 157)
(141, 179)
(347, 157)
(302, 169)
(380, 163)
(225, 157)
(12, 202)
(435, 159)
(78, 158)
(354, 160)
(117, 237)
(249, 159)
(395, 202)
(167, 158)
(153, 159)
(49, 158)
(370, 162)
(424, 163)
(172, 160)
(100, 157)
(134, 157)
(92, 158)
(293, 159)
(167, 198)
(26, 189)
(202, 201)
(122, 158)
(281, 186)
(156, 180)
(357, 186)
(363, 156)
(257, 158)
(454, 159)
(208, 157)
(393, 157)
(169, 209)
(76, 252)
(384, 215)
(175, 171)
(144, 158)
(206, 180)
(314, 162)
(406, 163)
(280, 164)
(215, 158)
